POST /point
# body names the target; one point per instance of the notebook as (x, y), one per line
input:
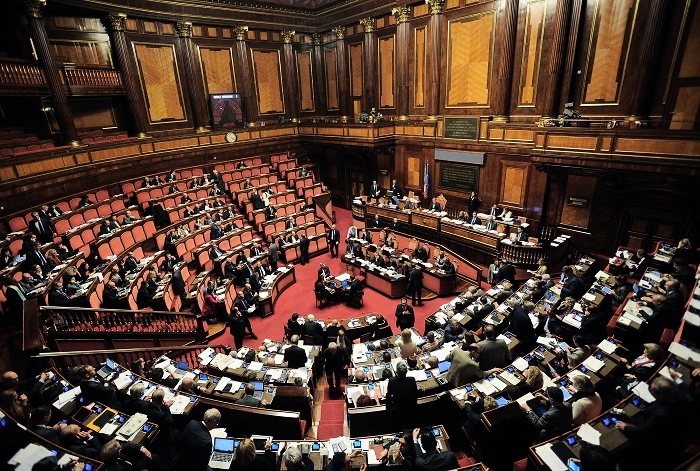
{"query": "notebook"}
(259, 388)
(222, 455)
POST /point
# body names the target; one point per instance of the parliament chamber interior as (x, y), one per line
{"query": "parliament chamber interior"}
(350, 234)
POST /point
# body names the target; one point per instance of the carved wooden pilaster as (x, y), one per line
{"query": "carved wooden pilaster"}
(369, 61)
(570, 55)
(319, 72)
(435, 26)
(193, 73)
(646, 67)
(48, 63)
(403, 55)
(504, 73)
(343, 78)
(557, 54)
(116, 23)
(291, 89)
(246, 74)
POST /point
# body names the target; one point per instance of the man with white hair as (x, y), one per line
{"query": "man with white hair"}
(196, 443)
(335, 360)
(294, 355)
(313, 329)
(294, 460)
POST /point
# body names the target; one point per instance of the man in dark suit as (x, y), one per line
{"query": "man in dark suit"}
(323, 271)
(270, 213)
(395, 226)
(556, 420)
(290, 223)
(35, 256)
(41, 227)
(156, 410)
(94, 390)
(395, 188)
(661, 425)
(40, 418)
(335, 359)
(430, 459)
(248, 399)
(197, 443)
(643, 261)
(667, 311)
(522, 235)
(420, 253)
(82, 443)
(58, 297)
(506, 271)
(474, 220)
(374, 190)
(257, 201)
(490, 224)
(313, 329)
(401, 398)
(494, 352)
(405, 318)
(215, 232)
(304, 249)
(473, 203)
(573, 285)
(294, 355)
(435, 206)
(244, 306)
(333, 241)
(521, 325)
(355, 288)
(415, 285)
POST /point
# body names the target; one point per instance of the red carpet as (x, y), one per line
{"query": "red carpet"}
(300, 298)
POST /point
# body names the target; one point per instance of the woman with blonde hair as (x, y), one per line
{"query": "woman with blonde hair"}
(533, 380)
(406, 344)
(245, 458)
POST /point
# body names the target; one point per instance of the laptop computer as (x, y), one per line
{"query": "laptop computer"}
(182, 367)
(444, 366)
(259, 388)
(105, 371)
(222, 455)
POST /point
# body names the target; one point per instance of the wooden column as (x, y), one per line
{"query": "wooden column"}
(403, 55)
(69, 135)
(432, 98)
(570, 54)
(193, 74)
(319, 72)
(369, 61)
(115, 23)
(647, 65)
(290, 77)
(504, 73)
(556, 55)
(246, 75)
(343, 77)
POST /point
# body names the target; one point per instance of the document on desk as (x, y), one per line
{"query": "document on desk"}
(510, 377)
(593, 364)
(667, 374)
(607, 346)
(589, 434)
(485, 387)
(686, 353)
(418, 375)
(123, 380)
(521, 364)
(109, 429)
(522, 400)
(179, 404)
(642, 390)
(550, 458)
(505, 339)
(163, 362)
(235, 364)
(206, 353)
(692, 318)
(66, 397)
(25, 458)
(222, 383)
(497, 383)
(354, 392)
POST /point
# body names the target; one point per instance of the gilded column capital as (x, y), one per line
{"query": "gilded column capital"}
(184, 29)
(287, 36)
(317, 39)
(401, 13)
(115, 21)
(435, 6)
(241, 32)
(369, 24)
(339, 32)
(34, 7)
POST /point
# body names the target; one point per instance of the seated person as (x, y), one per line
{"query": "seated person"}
(80, 442)
(430, 459)
(639, 370)
(556, 420)
(248, 399)
(454, 331)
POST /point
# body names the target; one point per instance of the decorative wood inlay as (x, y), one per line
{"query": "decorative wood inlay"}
(532, 51)
(514, 185)
(268, 80)
(160, 82)
(685, 112)
(356, 86)
(413, 171)
(331, 79)
(419, 71)
(690, 64)
(572, 142)
(218, 71)
(386, 72)
(608, 47)
(306, 80)
(469, 60)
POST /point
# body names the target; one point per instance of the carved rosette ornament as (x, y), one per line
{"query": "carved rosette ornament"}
(401, 13)
(436, 6)
(33, 7)
(184, 29)
(317, 39)
(369, 24)
(116, 21)
(339, 32)
(241, 33)
(287, 36)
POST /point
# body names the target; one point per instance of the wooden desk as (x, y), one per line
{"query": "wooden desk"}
(464, 231)
(389, 285)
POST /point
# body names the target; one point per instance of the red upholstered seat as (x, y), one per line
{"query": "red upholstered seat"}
(520, 465)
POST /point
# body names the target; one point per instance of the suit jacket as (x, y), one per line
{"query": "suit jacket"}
(304, 244)
(374, 190)
(249, 401)
(573, 286)
(272, 253)
(407, 319)
(401, 400)
(334, 363)
(334, 237)
(555, 421)
(94, 390)
(295, 356)
(435, 206)
(490, 226)
(494, 354)
(434, 461)
(355, 286)
(325, 271)
(59, 298)
(47, 433)
(415, 279)
(314, 330)
(463, 369)
(506, 272)
(196, 448)
(521, 326)
(257, 201)
(290, 224)
(157, 415)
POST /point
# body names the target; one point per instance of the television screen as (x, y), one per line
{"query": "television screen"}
(226, 111)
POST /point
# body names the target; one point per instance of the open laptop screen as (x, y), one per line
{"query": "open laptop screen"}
(259, 386)
(444, 366)
(182, 365)
(223, 445)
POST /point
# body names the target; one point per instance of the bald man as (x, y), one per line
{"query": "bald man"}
(30, 386)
